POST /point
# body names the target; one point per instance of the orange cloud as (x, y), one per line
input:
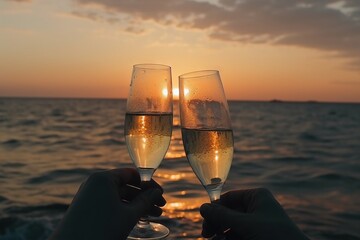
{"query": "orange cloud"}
(330, 26)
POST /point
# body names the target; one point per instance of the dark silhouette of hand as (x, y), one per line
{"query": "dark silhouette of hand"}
(99, 209)
(248, 214)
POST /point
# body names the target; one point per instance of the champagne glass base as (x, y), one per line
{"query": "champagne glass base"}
(149, 231)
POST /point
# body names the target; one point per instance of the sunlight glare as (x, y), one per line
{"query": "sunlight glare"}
(186, 91)
(176, 92)
(165, 92)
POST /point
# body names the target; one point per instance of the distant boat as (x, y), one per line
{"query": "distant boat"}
(276, 101)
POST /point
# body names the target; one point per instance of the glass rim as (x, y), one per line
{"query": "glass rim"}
(198, 74)
(152, 66)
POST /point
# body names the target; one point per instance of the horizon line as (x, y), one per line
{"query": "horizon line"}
(274, 100)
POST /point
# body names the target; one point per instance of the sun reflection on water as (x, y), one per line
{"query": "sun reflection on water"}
(181, 204)
(176, 176)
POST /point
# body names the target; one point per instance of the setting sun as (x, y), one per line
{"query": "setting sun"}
(165, 92)
(176, 93)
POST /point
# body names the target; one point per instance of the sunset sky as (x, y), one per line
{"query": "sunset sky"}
(265, 49)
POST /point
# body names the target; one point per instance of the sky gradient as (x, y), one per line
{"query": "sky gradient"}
(265, 49)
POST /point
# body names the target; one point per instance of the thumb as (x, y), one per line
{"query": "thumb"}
(146, 200)
(220, 216)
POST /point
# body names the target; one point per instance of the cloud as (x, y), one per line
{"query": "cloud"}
(131, 26)
(328, 25)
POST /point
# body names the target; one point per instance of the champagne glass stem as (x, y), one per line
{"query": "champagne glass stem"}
(146, 174)
(144, 222)
(214, 191)
(145, 229)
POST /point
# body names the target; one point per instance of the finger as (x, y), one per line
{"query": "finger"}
(151, 184)
(124, 176)
(207, 230)
(154, 185)
(129, 192)
(155, 211)
(160, 202)
(232, 235)
(146, 200)
(221, 217)
(219, 237)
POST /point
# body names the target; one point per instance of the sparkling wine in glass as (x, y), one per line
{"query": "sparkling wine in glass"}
(206, 128)
(148, 128)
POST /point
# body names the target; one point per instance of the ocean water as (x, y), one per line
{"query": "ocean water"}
(307, 154)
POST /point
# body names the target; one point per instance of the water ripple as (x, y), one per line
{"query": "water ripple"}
(306, 152)
(12, 143)
(62, 176)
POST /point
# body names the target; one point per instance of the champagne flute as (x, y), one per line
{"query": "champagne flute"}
(206, 128)
(148, 127)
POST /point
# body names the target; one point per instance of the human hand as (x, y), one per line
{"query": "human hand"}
(99, 209)
(248, 214)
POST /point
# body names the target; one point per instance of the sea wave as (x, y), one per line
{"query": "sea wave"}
(57, 207)
(19, 228)
(49, 136)
(12, 164)
(28, 122)
(12, 143)
(113, 141)
(62, 176)
(3, 199)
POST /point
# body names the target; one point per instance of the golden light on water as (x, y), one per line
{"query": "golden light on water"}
(217, 163)
(181, 203)
(176, 205)
(143, 126)
(176, 176)
(183, 208)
